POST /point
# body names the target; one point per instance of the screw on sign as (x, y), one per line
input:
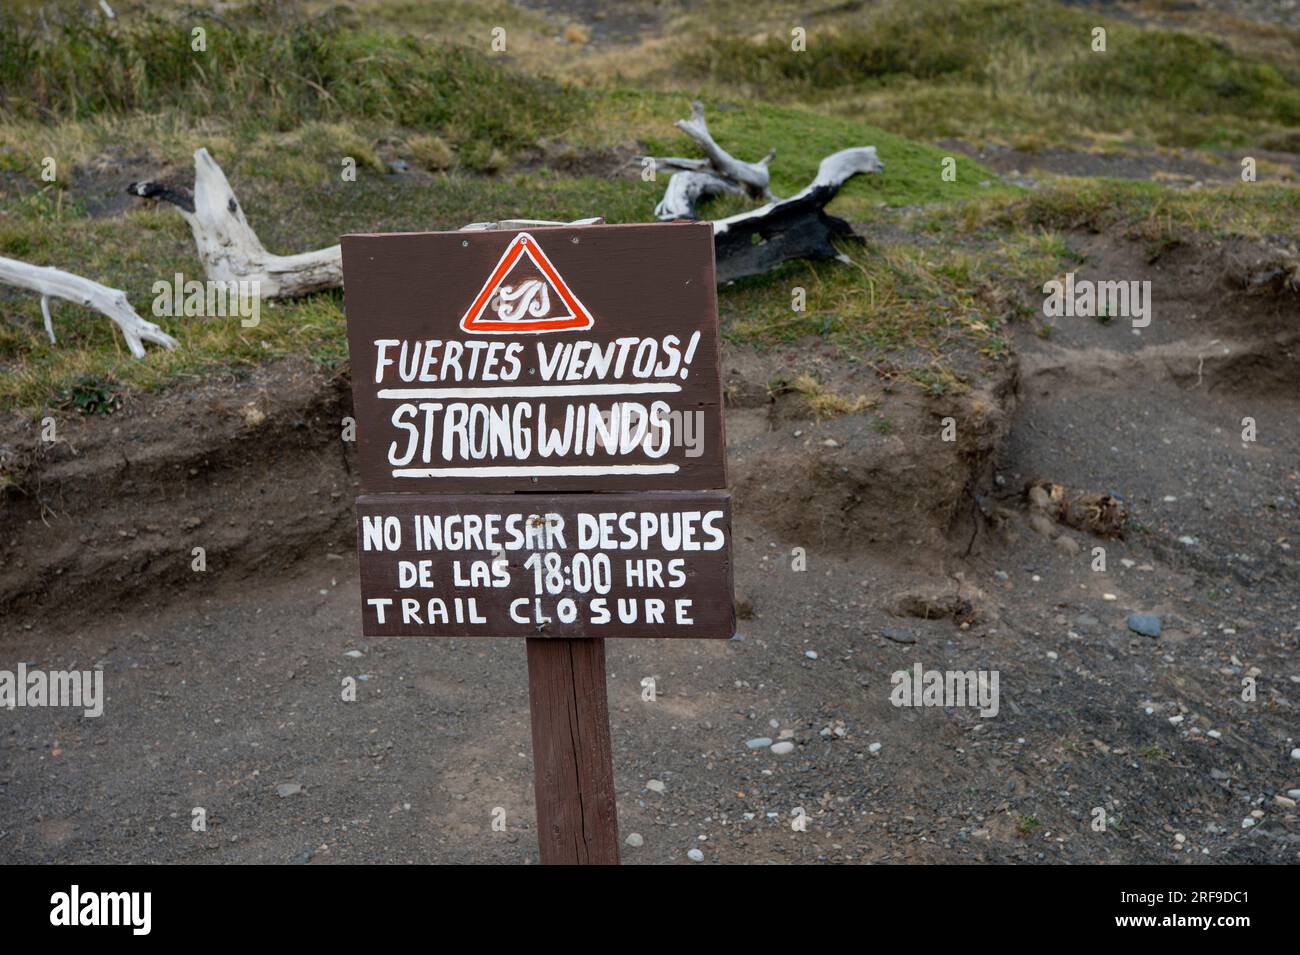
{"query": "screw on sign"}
(542, 455)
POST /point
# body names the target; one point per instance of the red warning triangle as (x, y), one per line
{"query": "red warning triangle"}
(525, 295)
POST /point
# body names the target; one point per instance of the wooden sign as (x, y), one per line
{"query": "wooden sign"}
(554, 359)
(527, 565)
(570, 359)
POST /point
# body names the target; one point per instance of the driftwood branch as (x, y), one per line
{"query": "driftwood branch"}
(227, 245)
(750, 175)
(230, 250)
(759, 240)
(54, 283)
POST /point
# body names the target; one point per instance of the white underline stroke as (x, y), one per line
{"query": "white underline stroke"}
(537, 471)
(532, 391)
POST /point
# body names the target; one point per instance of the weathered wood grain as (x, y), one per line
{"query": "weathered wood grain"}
(572, 753)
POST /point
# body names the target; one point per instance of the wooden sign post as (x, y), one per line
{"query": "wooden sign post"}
(539, 417)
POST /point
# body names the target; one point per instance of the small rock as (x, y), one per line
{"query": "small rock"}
(897, 635)
(1042, 524)
(1247, 822)
(1286, 802)
(759, 742)
(1144, 623)
(1295, 753)
(1067, 544)
(695, 855)
(1293, 793)
(874, 748)
(253, 415)
(810, 654)
(285, 790)
(1039, 498)
(654, 785)
(634, 840)
(783, 747)
(353, 654)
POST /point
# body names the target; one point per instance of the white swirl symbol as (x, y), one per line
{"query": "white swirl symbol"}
(513, 304)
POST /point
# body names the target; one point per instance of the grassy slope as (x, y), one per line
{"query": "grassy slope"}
(352, 86)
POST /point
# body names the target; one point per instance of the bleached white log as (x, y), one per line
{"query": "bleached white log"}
(833, 171)
(686, 189)
(54, 283)
(753, 176)
(229, 248)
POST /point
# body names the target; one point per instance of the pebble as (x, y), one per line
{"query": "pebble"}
(1293, 793)
(1214, 734)
(810, 654)
(783, 747)
(759, 742)
(1176, 719)
(353, 654)
(1247, 822)
(1284, 801)
(874, 748)
(1067, 544)
(634, 840)
(1042, 524)
(654, 785)
(285, 790)
(1109, 597)
(897, 635)
(1144, 623)
(1295, 753)
(695, 855)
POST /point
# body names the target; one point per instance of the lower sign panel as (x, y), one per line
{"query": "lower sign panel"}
(528, 565)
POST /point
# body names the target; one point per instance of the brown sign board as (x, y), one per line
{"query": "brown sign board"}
(651, 564)
(551, 359)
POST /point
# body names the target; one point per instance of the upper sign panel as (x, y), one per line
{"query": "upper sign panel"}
(552, 359)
